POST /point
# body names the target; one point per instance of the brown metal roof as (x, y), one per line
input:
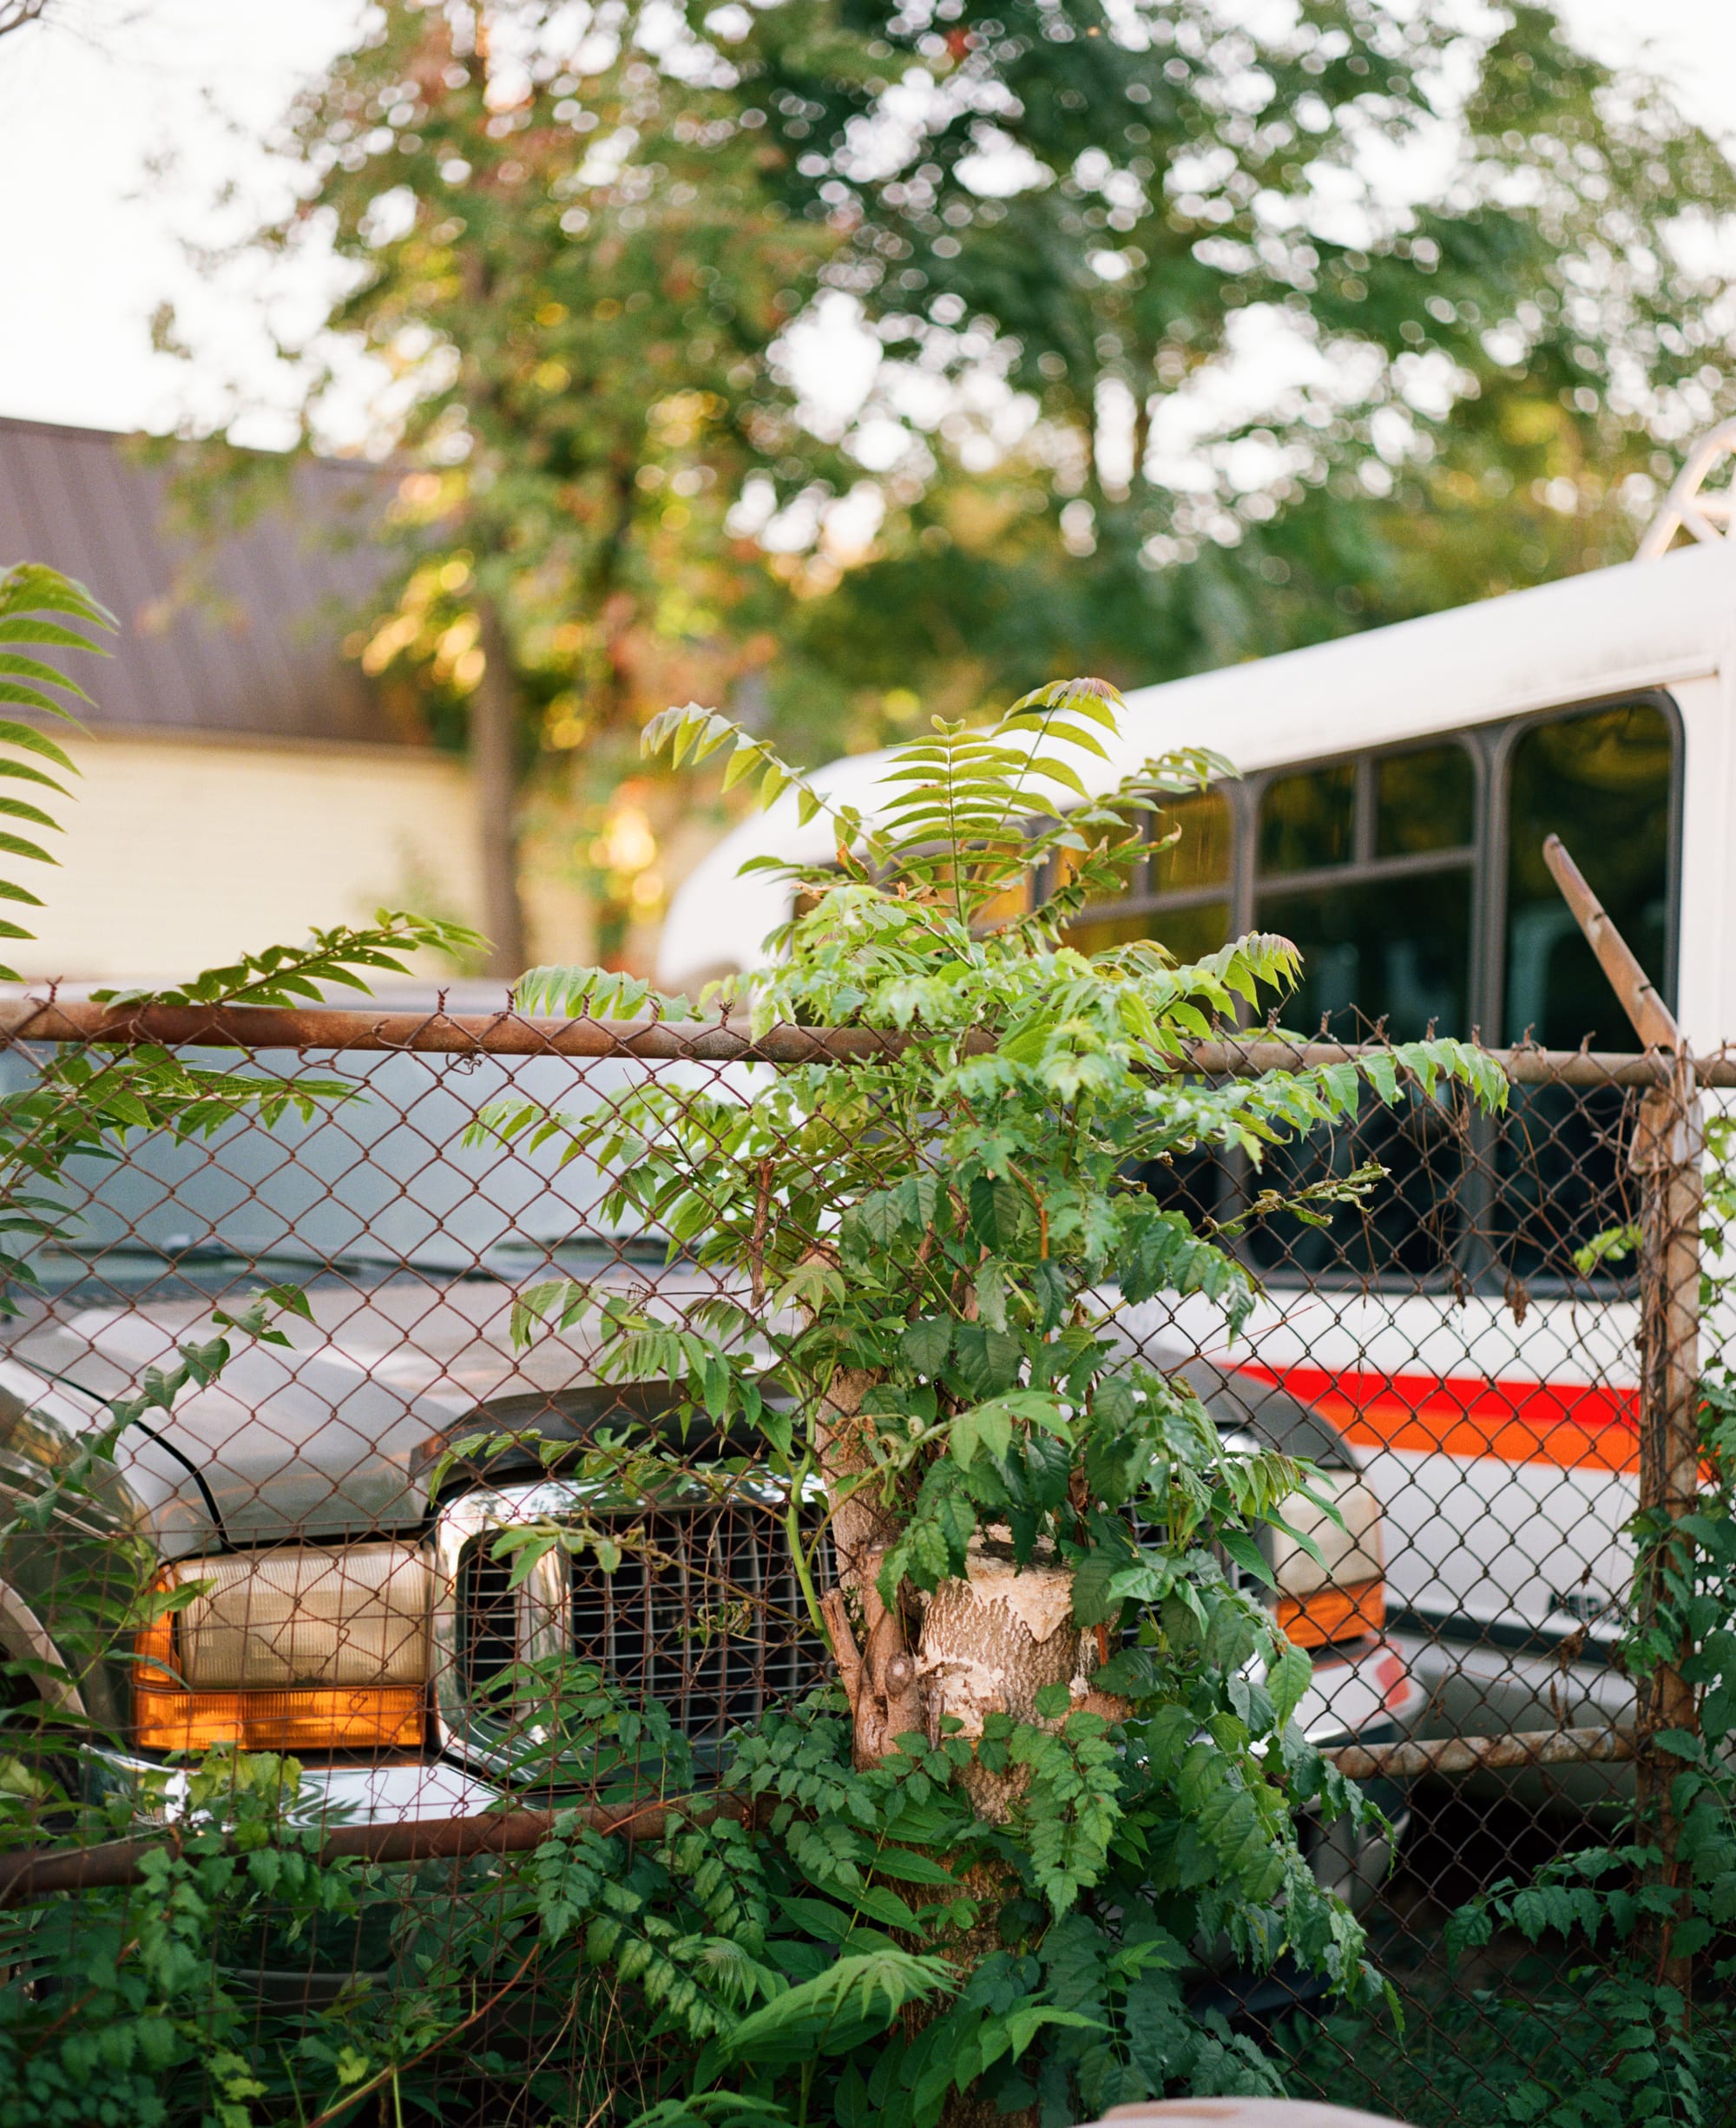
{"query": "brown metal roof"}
(261, 658)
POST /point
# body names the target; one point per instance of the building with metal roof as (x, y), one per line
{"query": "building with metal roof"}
(240, 778)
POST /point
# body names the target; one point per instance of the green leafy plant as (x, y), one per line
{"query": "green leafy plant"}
(41, 610)
(84, 1101)
(944, 1882)
(923, 1259)
(346, 956)
(132, 1987)
(602, 993)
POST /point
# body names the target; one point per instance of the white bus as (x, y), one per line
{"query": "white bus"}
(1395, 788)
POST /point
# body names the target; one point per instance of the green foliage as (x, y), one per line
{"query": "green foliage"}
(576, 266)
(815, 1970)
(855, 1998)
(593, 252)
(950, 1226)
(347, 956)
(595, 993)
(84, 1102)
(40, 609)
(953, 1226)
(1176, 208)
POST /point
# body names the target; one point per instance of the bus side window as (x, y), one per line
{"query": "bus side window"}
(1379, 895)
(1601, 781)
(1377, 866)
(1366, 866)
(1183, 898)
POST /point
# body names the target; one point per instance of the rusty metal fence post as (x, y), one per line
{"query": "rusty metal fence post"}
(1667, 1154)
(1669, 1150)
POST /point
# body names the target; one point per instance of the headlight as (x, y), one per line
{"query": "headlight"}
(1345, 1599)
(313, 1648)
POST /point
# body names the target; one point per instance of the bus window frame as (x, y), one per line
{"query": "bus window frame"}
(1488, 948)
(1490, 746)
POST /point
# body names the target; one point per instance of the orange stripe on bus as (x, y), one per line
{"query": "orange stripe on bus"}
(1572, 1425)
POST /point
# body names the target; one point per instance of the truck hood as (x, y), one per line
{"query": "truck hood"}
(336, 1433)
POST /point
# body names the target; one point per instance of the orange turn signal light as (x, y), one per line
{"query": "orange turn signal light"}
(1325, 1615)
(166, 1716)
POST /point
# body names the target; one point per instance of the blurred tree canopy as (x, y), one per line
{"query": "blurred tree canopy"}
(570, 270)
(1311, 325)
(1197, 330)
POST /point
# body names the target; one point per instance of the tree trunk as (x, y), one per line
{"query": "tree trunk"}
(988, 1645)
(494, 765)
(879, 1674)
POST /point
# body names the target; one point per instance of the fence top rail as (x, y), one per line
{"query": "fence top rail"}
(438, 1032)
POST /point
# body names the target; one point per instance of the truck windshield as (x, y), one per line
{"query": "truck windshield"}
(378, 1182)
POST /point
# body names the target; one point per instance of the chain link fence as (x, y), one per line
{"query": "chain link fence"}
(352, 1541)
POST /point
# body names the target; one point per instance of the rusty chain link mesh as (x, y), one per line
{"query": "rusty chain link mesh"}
(1474, 1392)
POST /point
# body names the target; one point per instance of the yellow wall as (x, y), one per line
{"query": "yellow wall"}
(179, 854)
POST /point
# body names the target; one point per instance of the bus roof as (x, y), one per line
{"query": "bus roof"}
(1640, 624)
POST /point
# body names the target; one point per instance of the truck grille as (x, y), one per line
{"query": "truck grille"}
(704, 1615)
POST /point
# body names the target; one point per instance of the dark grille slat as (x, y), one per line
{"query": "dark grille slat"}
(629, 1643)
(670, 1676)
(745, 1662)
(592, 1608)
(489, 1608)
(705, 1617)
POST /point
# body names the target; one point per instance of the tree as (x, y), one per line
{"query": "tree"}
(1281, 380)
(568, 264)
(912, 1251)
(1228, 337)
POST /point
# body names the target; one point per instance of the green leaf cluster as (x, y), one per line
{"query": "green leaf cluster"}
(1489, 384)
(346, 957)
(40, 609)
(83, 1102)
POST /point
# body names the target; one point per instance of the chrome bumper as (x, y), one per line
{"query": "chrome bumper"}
(393, 1794)
(1368, 1695)
(1474, 1688)
(1365, 1695)
(400, 1792)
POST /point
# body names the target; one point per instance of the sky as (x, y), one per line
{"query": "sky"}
(121, 121)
